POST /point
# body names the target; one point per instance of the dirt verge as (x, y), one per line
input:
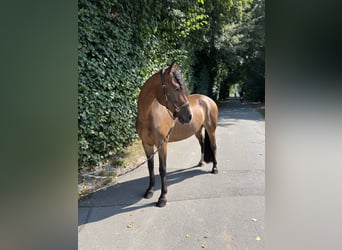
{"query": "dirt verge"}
(107, 174)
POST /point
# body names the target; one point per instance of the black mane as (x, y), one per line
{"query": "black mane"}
(179, 78)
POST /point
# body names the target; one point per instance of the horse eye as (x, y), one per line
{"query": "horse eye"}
(177, 89)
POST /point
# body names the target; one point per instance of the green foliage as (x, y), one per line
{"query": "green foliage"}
(123, 42)
(109, 77)
(233, 46)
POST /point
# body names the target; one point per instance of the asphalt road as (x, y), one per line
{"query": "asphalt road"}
(204, 210)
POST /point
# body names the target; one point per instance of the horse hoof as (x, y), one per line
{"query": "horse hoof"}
(214, 171)
(148, 194)
(161, 203)
(200, 164)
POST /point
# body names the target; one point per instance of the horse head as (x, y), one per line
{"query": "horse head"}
(175, 93)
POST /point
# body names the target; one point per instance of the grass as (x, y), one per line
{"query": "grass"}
(107, 180)
(131, 156)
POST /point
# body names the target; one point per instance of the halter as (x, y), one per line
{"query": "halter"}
(177, 108)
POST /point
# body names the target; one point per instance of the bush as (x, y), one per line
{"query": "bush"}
(109, 80)
(121, 43)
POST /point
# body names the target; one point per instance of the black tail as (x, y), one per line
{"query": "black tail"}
(208, 152)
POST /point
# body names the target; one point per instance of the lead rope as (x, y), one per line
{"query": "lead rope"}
(172, 125)
(161, 143)
(150, 157)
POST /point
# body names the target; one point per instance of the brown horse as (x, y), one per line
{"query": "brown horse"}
(167, 114)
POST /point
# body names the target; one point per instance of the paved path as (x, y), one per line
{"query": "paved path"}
(204, 211)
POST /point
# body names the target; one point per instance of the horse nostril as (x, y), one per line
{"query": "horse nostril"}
(190, 116)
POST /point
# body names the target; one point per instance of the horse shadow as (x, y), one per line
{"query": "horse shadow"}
(128, 196)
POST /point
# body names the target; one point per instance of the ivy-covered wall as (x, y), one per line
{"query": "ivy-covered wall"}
(122, 42)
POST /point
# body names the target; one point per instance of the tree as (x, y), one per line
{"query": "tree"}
(233, 48)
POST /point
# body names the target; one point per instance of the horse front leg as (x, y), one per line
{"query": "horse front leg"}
(162, 171)
(149, 192)
(150, 163)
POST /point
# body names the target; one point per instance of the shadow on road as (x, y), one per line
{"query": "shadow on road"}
(123, 197)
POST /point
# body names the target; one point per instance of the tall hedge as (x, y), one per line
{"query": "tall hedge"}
(108, 80)
(121, 43)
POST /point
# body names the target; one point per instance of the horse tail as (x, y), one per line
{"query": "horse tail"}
(208, 152)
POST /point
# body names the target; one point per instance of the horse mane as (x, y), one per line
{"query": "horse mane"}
(178, 78)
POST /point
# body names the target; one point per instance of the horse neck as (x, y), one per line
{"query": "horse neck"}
(151, 91)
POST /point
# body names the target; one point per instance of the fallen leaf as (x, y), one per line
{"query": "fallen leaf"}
(254, 220)
(203, 246)
(187, 236)
(257, 238)
(130, 225)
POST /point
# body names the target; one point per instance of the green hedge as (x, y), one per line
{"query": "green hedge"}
(121, 43)
(109, 78)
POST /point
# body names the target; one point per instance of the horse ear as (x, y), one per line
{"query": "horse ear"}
(174, 66)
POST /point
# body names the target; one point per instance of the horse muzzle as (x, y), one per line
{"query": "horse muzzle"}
(184, 116)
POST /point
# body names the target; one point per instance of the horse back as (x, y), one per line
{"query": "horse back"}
(207, 106)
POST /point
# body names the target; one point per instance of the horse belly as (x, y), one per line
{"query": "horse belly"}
(182, 132)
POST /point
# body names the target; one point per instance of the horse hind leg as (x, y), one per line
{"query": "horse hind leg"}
(200, 139)
(210, 149)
